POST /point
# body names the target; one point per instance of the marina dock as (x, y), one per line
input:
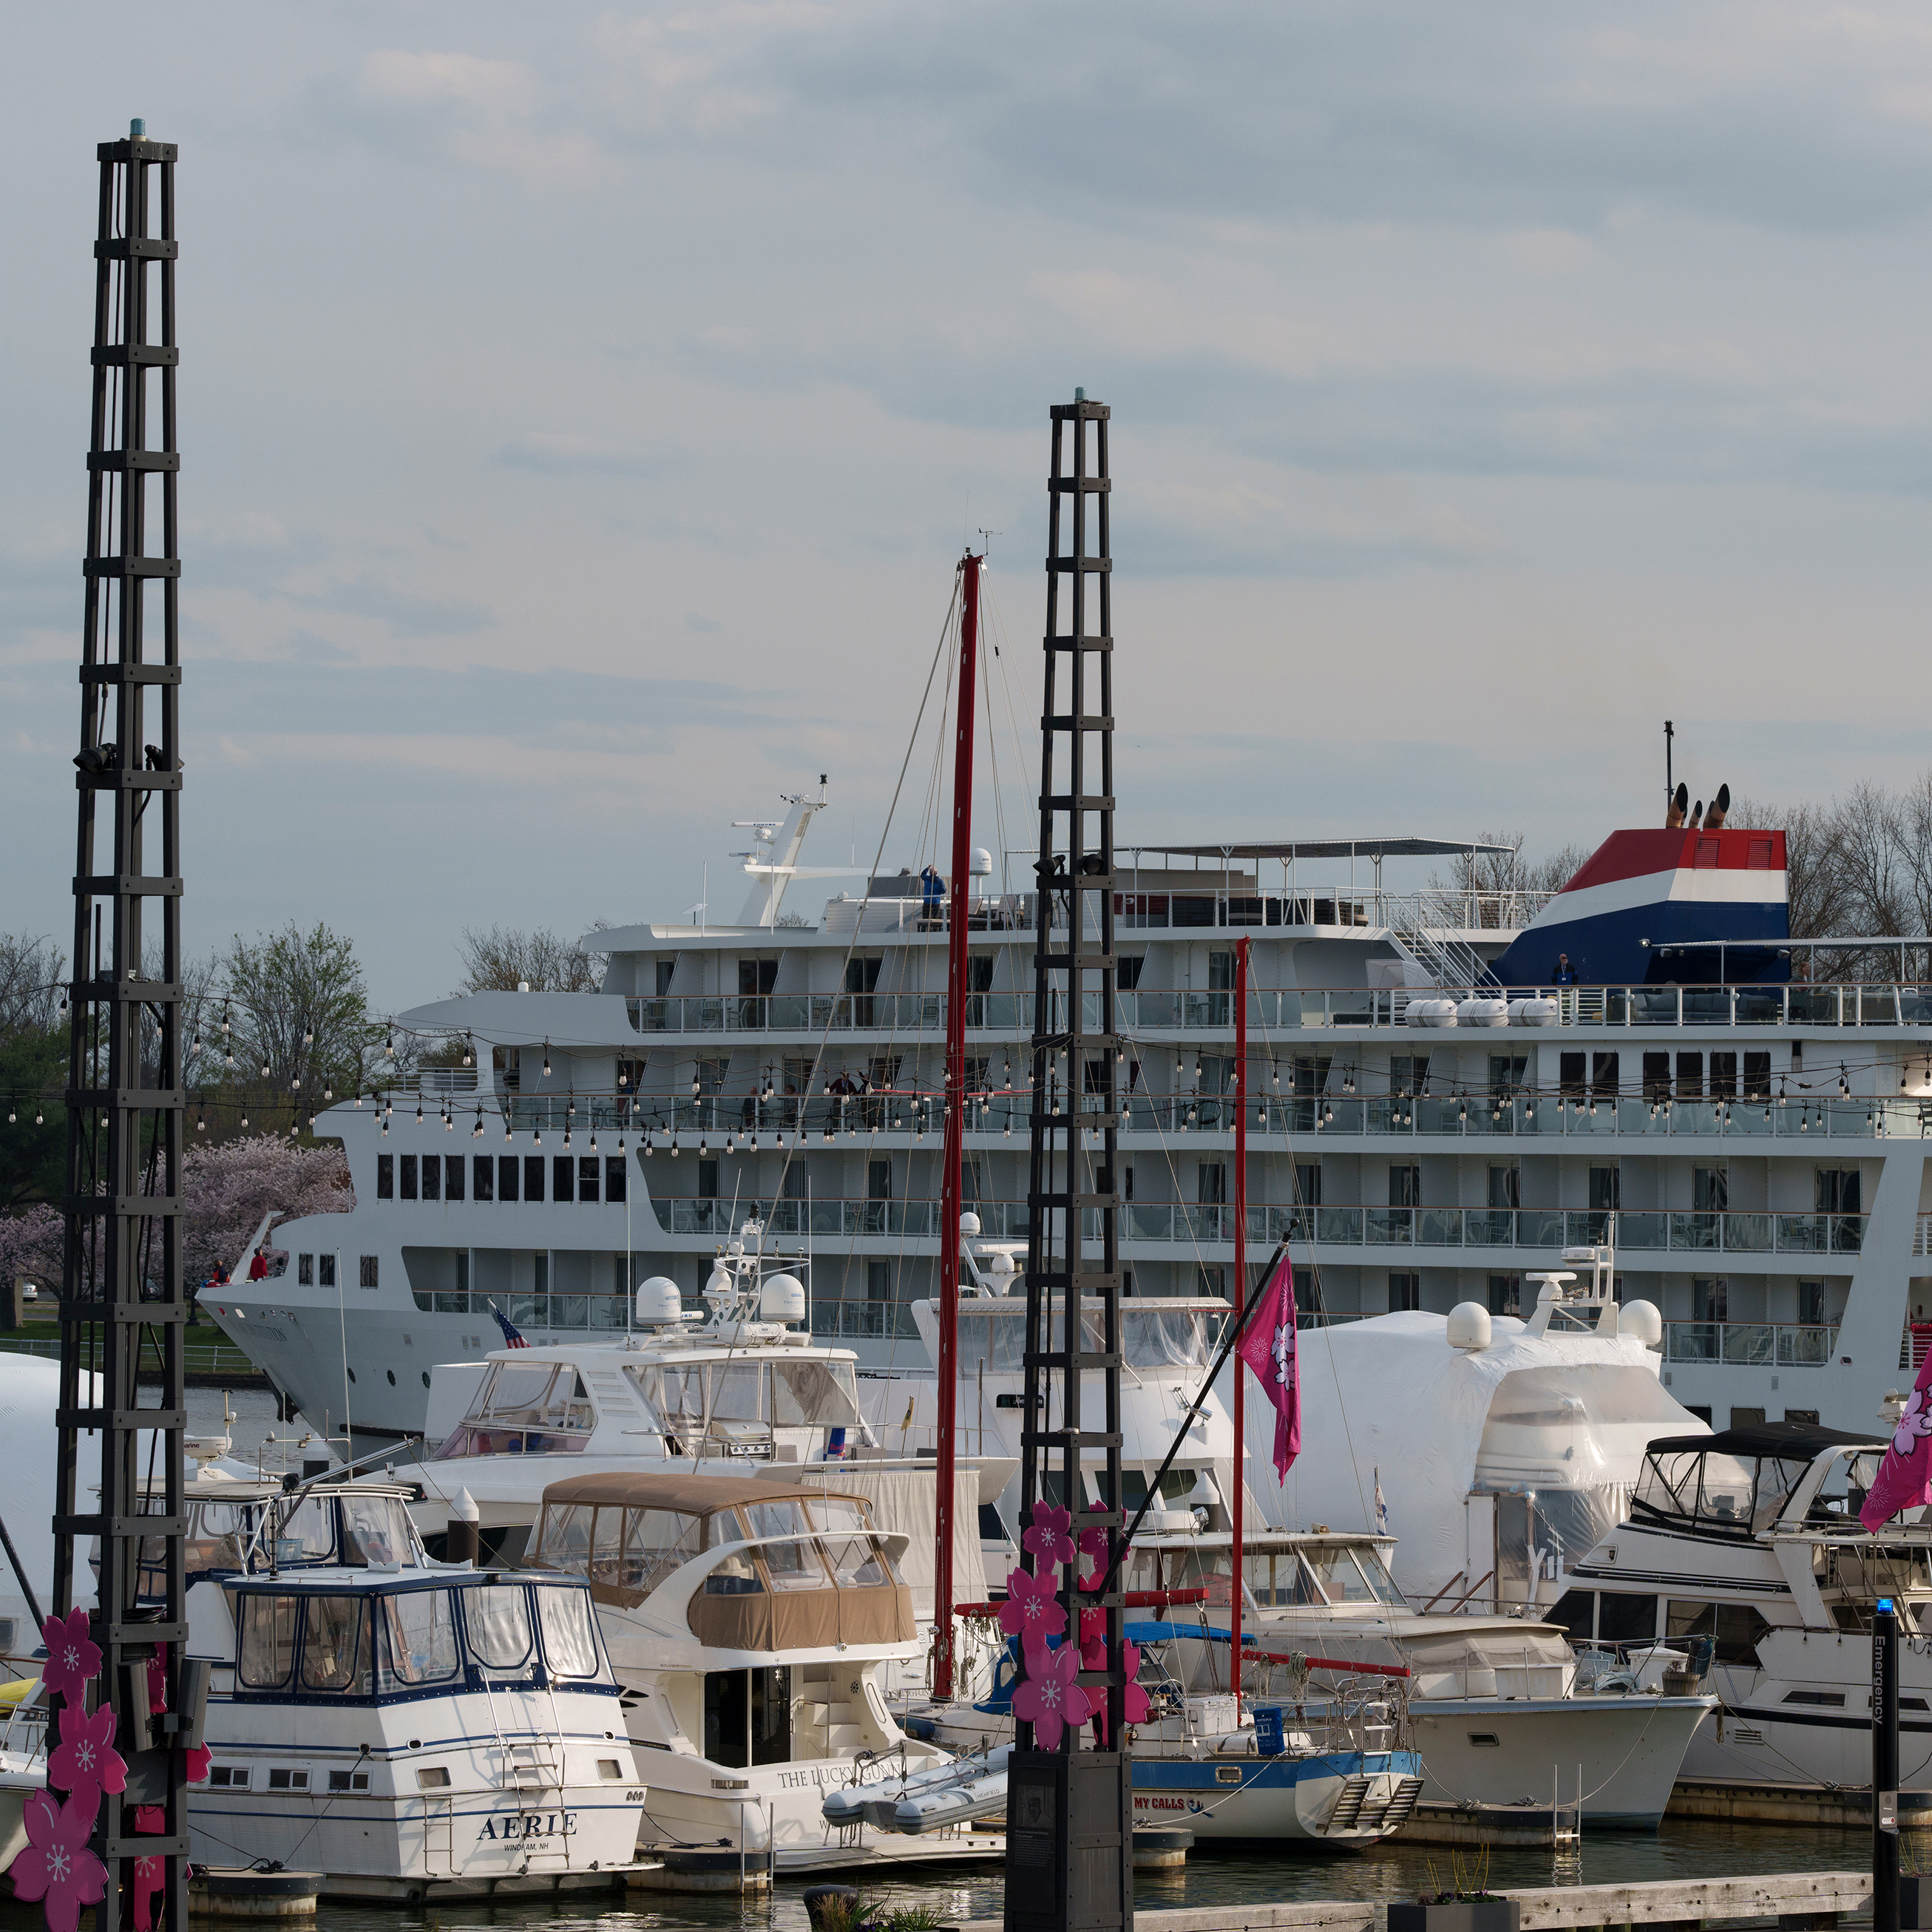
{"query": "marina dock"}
(1798, 1900)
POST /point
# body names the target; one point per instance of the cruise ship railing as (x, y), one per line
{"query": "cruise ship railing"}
(1542, 1229)
(1852, 1003)
(1520, 1116)
(1788, 1345)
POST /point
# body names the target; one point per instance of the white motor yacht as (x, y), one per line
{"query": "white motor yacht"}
(754, 1626)
(736, 1393)
(1498, 1714)
(1498, 1449)
(1748, 1542)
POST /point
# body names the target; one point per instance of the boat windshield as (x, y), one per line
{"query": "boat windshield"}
(1154, 1338)
(732, 1408)
(525, 1409)
(1713, 1493)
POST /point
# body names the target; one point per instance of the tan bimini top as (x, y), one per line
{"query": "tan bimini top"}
(809, 1571)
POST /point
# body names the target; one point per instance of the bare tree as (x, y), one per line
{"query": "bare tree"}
(30, 984)
(1817, 877)
(502, 959)
(300, 1008)
(1488, 875)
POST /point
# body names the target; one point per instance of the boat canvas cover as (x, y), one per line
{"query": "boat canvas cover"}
(1391, 1392)
(759, 1608)
(908, 1500)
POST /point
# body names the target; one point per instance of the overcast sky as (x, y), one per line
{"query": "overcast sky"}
(582, 411)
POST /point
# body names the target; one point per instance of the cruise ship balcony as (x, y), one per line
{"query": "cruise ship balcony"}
(1539, 1230)
(1858, 1003)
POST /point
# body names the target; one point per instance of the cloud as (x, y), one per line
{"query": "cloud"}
(562, 455)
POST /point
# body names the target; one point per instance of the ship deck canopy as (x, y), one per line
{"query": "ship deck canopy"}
(1290, 850)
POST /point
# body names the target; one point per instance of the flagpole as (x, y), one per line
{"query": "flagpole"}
(1236, 1329)
(1241, 1298)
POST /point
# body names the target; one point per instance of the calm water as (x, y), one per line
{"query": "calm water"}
(1690, 1850)
(1687, 1850)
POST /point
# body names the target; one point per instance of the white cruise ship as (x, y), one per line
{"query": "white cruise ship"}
(1433, 1114)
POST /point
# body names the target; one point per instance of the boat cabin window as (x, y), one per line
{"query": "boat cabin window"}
(265, 1644)
(569, 1642)
(418, 1639)
(1176, 1487)
(1278, 1579)
(857, 1560)
(734, 1576)
(497, 1618)
(1848, 1479)
(219, 1537)
(1340, 1577)
(736, 1404)
(820, 1395)
(791, 1564)
(307, 1535)
(335, 1645)
(1733, 1628)
(375, 1529)
(532, 1408)
(748, 1716)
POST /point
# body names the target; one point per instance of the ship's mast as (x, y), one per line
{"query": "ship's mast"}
(122, 1310)
(956, 1122)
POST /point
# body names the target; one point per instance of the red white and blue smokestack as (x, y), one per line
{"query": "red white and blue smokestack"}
(1670, 907)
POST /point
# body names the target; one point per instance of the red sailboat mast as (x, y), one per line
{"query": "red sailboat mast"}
(1240, 1300)
(955, 1122)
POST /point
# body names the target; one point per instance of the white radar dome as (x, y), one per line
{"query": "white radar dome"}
(718, 1286)
(1469, 1326)
(659, 1301)
(981, 863)
(969, 1225)
(783, 1299)
(1641, 1320)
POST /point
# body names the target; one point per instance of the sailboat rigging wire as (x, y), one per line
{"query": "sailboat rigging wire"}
(859, 922)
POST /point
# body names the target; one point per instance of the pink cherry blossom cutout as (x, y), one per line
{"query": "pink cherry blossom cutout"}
(55, 1863)
(1031, 1611)
(1050, 1699)
(85, 1760)
(1047, 1536)
(73, 1658)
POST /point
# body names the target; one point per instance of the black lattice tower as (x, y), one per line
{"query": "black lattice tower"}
(121, 1305)
(1069, 1811)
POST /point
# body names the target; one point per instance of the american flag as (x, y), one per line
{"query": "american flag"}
(512, 1335)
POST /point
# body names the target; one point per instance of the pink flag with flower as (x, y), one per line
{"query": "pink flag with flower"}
(1268, 1347)
(1904, 1478)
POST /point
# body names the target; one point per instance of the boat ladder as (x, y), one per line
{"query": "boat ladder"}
(1357, 1809)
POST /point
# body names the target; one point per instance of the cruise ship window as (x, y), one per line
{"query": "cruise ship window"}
(1570, 1075)
(1604, 1076)
(533, 1178)
(1211, 1183)
(1127, 971)
(305, 1271)
(1404, 1291)
(1505, 1186)
(1710, 1189)
(1505, 1294)
(507, 1166)
(1757, 1076)
(1404, 1184)
(1506, 1073)
(385, 1177)
(1409, 1073)
(1723, 1076)
(616, 1180)
(483, 1177)
(369, 1271)
(409, 1189)
(563, 1177)
(1308, 1183)
(1838, 1190)
(328, 1271)
(665, 968)
(1690, 1076)
(1220, 972)
(1656, 1077)
(1811, 1304)
(756, 977)
(452, 1177)
(1606, 1189)
(1710, 1299)
(587, 1178)
(878, 1180)
(432, 1175)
